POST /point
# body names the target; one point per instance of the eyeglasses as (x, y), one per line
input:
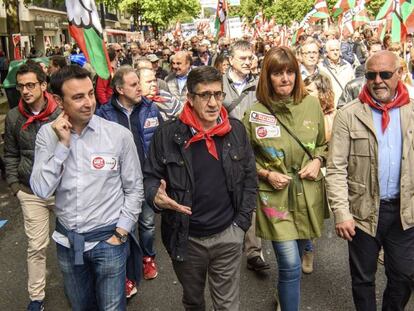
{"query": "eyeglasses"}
(30, 86)
(118, 50)
(384, 75)
(310, 53)
(206, 96)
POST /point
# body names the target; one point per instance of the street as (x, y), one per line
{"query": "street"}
(327, 289)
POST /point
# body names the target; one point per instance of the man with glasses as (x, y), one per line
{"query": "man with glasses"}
(204, 57)
(165, 62)
(119, 54)
(201, 175)
(36, 107)
(370, 181)
(309, 52)
(339, 70)
(240, 88)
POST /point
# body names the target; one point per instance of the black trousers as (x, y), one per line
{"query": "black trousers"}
(398, 261)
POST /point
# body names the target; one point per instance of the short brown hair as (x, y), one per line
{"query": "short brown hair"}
(276, 60)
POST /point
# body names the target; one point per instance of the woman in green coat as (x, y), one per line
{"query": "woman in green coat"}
(291, 203)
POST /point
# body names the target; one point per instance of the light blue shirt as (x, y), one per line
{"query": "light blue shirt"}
(97, 181)
(181, 81)
(389, 153)
(305, 73)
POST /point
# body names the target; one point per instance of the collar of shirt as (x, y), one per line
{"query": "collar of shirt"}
(92, 124)
(381, 104)
(194, 131)
(182, 77)
(123, 109)
(305, 73)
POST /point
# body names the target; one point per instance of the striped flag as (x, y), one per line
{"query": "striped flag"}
(86, 29)
(397, 15)
(319, 11)
(221, 16)
(342, 6)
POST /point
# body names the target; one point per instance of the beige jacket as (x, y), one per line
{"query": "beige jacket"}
(352, 169)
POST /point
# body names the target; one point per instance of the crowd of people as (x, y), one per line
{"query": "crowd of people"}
(231, 142)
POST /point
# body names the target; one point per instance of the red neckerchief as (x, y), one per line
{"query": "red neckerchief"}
(400, 100)
(188, 118)
(157, 98)
(51, 106)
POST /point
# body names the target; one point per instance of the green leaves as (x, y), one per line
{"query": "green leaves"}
(162, 12)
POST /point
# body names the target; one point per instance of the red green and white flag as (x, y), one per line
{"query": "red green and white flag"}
(342, 6)
(221, 16)
(354, 18)
(85, 27)
(319, 11)
(398, 15)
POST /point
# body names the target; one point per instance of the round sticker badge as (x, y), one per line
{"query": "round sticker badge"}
(98, 163)
(261, 132)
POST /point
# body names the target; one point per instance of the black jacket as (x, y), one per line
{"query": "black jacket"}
(19, 146)
(351, 91)
(168, 159)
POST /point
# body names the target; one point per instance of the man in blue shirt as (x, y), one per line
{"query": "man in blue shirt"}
(140, 115)
(92, 166)
(370, 181)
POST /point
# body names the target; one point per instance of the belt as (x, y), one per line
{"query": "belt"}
(390, 201)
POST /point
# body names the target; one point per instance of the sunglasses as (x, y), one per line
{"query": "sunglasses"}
(384, 75)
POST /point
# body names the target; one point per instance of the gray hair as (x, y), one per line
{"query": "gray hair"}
(118, 78)
(241, 45)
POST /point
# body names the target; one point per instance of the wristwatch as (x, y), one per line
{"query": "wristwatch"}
(122, 237)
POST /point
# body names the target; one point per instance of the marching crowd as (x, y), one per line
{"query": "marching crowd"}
(231, 142)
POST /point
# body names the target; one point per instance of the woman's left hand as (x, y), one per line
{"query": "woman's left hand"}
(311, 170)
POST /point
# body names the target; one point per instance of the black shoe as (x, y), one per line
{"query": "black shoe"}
(257, 264)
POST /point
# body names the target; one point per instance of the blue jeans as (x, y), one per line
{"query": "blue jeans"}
(288, 255)
(146, 230)
(98, 284)
(309, 246)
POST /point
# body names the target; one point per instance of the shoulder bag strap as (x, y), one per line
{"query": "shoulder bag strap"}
(336, 79)
(235, 102)
(292, 134)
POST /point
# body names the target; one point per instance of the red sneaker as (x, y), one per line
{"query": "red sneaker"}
(150, 269)
(130, 288)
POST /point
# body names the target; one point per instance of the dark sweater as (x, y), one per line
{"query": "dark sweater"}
(212, 210)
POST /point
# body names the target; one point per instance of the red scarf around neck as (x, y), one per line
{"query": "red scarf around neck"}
(399, 101)
(51, 106)
(157, 98)
(188, 118)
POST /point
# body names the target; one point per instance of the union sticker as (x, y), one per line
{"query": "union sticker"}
(151, 122)
(104, 163)
(267, 132)
(262, 118)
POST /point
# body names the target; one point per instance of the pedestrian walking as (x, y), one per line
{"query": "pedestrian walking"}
(369, 180)
(92, 167)
(200, 174)
(287, 133)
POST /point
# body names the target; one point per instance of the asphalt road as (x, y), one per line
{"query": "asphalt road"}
(327, 289)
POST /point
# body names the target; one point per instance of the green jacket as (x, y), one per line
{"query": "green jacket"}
(297, 211)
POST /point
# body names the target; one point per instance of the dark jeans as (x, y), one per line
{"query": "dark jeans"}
(146, 230)
(398, 261)
(98, 284)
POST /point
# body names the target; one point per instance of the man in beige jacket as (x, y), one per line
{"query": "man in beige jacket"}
(370, 183)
